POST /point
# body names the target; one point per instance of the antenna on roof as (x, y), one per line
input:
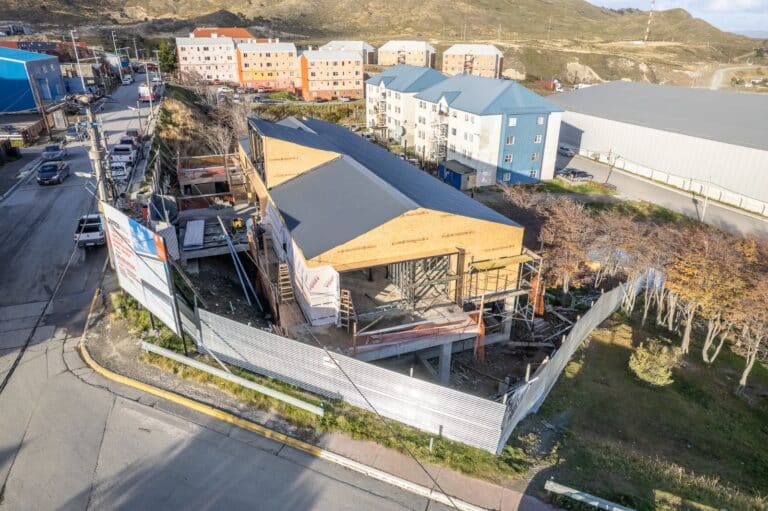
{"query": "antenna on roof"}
(650, 18)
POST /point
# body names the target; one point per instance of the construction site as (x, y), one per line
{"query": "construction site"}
(358, 251)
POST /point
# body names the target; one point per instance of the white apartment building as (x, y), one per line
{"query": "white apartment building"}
(366, 51)
(473, 59)
(208, 58)
(414, 53)
(388, 95)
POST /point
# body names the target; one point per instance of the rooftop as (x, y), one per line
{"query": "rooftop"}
(262, 47)
(405, 78)
(331, 55)
(396, 45)
(363, 188)
(473, 49)
(234, 32)
(347, 46)
(21, 55)
(203, 41)
(486, 96)
(730, 117)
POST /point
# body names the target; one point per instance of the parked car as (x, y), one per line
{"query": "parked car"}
(566, 151)
(137, 134)
(123, 152)
(90, 231)
(55, 151)
(223, 90)
(572, 174)
(75, 134)
(53, 172)
(126, 140)
(127, 79)
(345, 99)
(119, 171)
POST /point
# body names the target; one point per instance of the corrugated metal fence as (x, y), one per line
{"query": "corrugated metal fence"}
(528, 398)
(433, 408)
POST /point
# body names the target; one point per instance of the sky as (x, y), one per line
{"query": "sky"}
(731, 15)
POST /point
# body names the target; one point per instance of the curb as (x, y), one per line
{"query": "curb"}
(29, 169)
(313, 450)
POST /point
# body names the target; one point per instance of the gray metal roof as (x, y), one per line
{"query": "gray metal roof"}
(730, 117)
(335, 203)
(487, 96)
(323, 213)
(407, 78)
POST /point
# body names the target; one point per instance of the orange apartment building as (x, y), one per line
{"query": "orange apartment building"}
(331, 75)
(413, 53)
(473, 59)
(269, 66)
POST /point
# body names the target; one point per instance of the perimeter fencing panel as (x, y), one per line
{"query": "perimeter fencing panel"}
(432, 408)
(528, 398)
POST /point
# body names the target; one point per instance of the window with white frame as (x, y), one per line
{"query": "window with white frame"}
(540, 120)
(537, 139)
(507, 158)
(535, 157)
(511, 140)
(453, 131)
(512, 121)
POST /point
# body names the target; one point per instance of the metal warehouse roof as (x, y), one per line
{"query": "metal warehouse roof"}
(205, 41)
(398, 183)
(347, 46)
(487, 96)
(473, 49)
(322, 55)
(406, 78)
(335, 203)
(262, 47)
(21, 55)
(406, 46)
(730, 117)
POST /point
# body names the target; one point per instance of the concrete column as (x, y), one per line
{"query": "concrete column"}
(509, 307)
(446, 350)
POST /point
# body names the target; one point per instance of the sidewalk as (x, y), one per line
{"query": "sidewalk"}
(119, 353)
(9, 173)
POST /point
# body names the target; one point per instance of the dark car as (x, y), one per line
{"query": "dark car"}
(53, 172)
(75, 134)
(572, 174)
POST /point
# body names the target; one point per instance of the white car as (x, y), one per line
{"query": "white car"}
(223, 90)
(127, 79)
(566, 151)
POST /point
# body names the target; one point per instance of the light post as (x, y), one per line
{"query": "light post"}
(77, 59)
(119, 59)
(138, 115)
(157, 61)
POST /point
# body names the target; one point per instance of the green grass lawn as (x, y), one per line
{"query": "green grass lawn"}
(281, 96)
(559, 185)
(688, 445)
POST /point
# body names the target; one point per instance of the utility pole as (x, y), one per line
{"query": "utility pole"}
(119, 60)
(96, 153)
(135, 48)
(150, 90)
(77, 59)
(157, 61)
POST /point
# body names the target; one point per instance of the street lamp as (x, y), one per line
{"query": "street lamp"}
(119, 60)
(138, 116)
(77, 59)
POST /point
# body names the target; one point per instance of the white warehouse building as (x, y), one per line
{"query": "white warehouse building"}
(710, 142)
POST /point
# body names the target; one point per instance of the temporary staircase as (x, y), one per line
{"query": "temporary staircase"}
(284, 286)
(347, 314)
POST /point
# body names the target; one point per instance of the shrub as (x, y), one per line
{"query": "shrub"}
(653, 362)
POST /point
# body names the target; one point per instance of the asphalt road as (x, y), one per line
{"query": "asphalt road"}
(71, 440)
(637, 188)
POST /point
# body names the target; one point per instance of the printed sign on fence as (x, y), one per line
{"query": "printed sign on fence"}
(141, 264)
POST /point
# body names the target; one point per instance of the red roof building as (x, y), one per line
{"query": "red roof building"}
(240, 35)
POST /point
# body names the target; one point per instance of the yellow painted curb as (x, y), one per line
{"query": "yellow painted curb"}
(313, 450)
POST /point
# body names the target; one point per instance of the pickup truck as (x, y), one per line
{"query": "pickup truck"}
(90, 231)
(119, 171)
(122, 152)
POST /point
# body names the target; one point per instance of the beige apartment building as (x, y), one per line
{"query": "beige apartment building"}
(212, 59)
(473, 59)
(268, 66)
(413, 53)
(331, 75)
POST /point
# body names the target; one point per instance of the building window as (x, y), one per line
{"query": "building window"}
(512, 121)
(466, 117)
(507, 158)
(533, 174)
(434, 108)
(470, 137)
(535, 157)
(507, 176)
(540, 120)
(453, 131)
(511, 140)
(537, 139)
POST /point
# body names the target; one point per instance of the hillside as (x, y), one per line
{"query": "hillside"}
(572, 39)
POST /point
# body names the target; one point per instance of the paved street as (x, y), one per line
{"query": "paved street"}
(638, 188)
(71, 440)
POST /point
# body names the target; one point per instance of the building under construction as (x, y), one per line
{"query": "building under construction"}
(358, 250)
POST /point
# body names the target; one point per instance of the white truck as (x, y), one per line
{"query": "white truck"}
(90, 231)
(123, 153)
(147, 92)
